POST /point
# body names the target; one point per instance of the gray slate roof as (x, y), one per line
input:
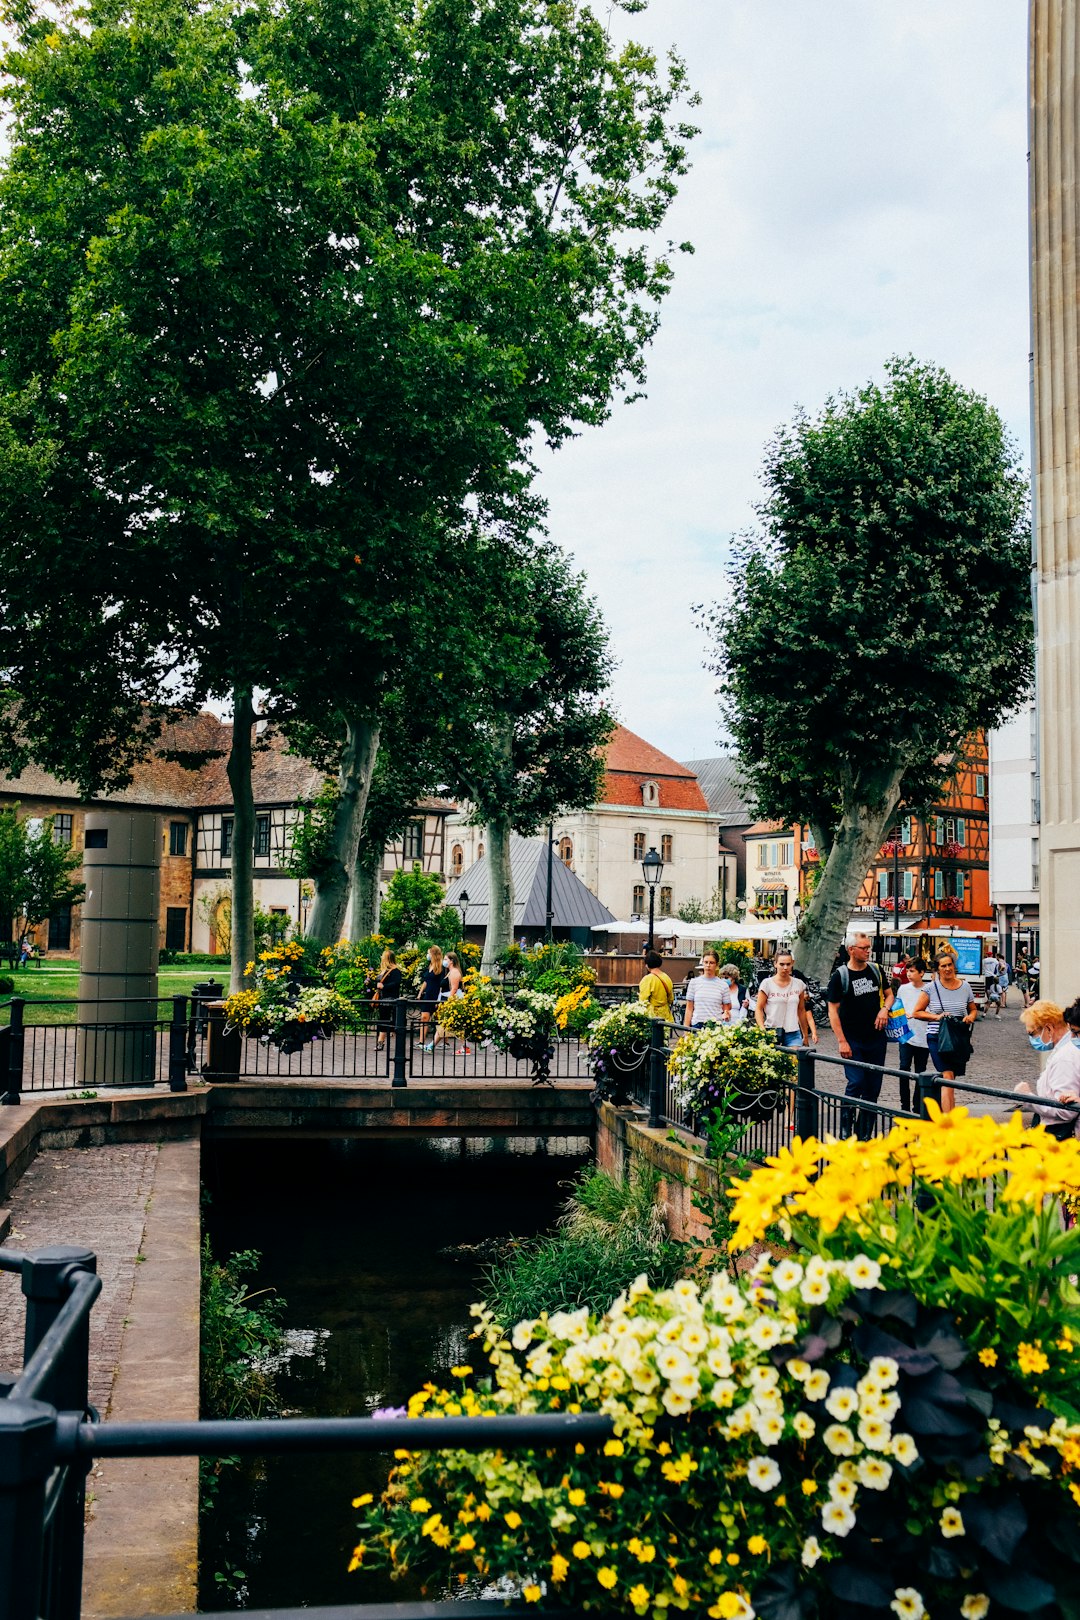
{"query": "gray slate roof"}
(719, 781)
(574, 905)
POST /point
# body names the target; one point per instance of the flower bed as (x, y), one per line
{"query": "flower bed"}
(738, 1069)
(283, 1007)
(883, 1425)
(619, 1049)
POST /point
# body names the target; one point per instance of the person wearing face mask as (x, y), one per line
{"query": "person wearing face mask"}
(1049, 1030)
(948, 996)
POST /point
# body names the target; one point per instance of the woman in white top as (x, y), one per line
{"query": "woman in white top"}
(1060, 1080)
(706, 996)
(781, 1005)
(914, 1052)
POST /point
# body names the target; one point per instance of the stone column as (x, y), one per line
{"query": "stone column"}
(1055, 318)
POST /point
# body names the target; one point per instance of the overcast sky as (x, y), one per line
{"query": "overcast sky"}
(859, 189)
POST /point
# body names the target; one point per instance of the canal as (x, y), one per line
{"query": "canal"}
(377, 1249)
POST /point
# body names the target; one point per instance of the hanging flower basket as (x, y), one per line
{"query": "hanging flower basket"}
(734, 1069)
(619, 1052)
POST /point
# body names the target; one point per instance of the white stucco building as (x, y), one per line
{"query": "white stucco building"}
(1014, 831)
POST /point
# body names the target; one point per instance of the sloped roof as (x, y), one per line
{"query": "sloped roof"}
(574, 905)
(719, 781)
(631, 762)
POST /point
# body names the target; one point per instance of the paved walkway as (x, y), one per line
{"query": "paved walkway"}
(95, 1198)
(1001, 1056)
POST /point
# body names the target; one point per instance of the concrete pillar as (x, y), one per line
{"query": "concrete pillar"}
(118, 957)
(1055, 320)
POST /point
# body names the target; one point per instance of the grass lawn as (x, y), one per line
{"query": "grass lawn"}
(46, 988)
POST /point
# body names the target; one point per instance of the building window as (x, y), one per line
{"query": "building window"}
(262, 835)
(639, 900)
(957, 885)
(97, 838)
(771, 902)
(667, 844)
(177, 845)
(883, 884)
(907, 885)
(479, 852)
(175, 926)
(906, 831)
(61, 830)
(762, 852)
(226, 837)
(1034, 863)
(665, 901)
(566, 851)
(412, 848)
(980, 785)
(650, 794)
(639, 846)
(787, 854)
(60, 929)
(457, 860)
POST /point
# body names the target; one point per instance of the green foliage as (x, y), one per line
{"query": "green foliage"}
(36, 874)
(556, 969)
(7, 985)
(311, 834)
(729, 1066)
(237, 1338)
(608, 1234)
(718, 907)
(169, 958)
(413, 903)
(738, 956)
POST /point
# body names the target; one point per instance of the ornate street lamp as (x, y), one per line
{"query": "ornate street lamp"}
(463, 902)
(652, 868)
(1018, 923)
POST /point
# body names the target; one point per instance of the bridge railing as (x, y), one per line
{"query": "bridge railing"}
(50, 1437)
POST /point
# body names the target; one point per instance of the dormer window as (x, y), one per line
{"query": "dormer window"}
(650, 794)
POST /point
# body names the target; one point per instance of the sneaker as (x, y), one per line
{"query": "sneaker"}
(429, 1047)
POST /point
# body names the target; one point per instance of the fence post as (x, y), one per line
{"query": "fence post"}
(178, 1044)
(27, 1441)
(657, 1072)
(16, 1039)
(806, 1105)
(401, 1041)
(927, 1089)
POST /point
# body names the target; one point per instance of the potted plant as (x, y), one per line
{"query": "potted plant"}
(619, 1050)
(470, 1015)
(737, 1069)
(283, 1007)
(525, 1029)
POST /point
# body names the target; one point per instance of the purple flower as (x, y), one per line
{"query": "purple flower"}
(389, 1412)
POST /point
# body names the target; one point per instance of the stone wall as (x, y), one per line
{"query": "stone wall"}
(623, 1139)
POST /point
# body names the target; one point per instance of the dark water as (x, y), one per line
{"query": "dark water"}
(351, 1233)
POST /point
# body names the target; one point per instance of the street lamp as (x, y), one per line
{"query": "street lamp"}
(652, 868)
(305, 902)
(1018, 923)
(463, 902)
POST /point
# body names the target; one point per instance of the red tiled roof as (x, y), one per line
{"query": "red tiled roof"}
(760, 827)
(631, 762)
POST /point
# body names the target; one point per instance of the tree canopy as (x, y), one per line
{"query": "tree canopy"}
(879, 616)
(37, 874)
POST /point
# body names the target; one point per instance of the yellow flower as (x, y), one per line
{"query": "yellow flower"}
(716, 1556)
(466, 1543)
(513, 1519)
(420, 1504)
(531, 1594)
(607, 1576)
(733, 1559)
(988, 1357)
(483, 1512)
(614, 1448)
(639, 1597)
(460, 1372)
(613, 1490)
(576, 1498)
(727, 1606)
(581, 1549)
(356, 1560)
(362, 1501)
(1031, 1358)
(809, 1486)
(559, 1567)
(681, 1585)
(757, 1545)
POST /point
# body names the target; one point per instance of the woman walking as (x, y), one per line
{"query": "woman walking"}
(781, 1005)
(705, 997)
(949, 1000)
(914, 1052)
(454, 977)
(433, 983)
(387, 992)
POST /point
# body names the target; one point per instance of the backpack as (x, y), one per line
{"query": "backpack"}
(875, 972)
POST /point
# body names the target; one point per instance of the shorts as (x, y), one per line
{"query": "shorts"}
(955, 1062)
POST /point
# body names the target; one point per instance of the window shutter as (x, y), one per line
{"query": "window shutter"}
(905, 830)
(882, 884)
(908, 881)
(961, 829)
(939, 829)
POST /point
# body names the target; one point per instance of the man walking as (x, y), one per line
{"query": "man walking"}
(859, 1001)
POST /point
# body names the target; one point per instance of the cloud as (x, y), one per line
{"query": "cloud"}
(859, 190)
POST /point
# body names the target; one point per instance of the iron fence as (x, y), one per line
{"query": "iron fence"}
(49, 1438)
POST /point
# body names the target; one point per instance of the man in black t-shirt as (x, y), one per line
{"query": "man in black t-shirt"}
(859, 1001)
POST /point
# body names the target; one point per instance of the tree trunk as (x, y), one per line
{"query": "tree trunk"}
(354, 780)
(500, 927)
(862, 826)
(238, 768)
(365, 893)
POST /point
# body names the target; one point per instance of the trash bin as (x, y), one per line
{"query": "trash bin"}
(223, 1046)
(209, 990)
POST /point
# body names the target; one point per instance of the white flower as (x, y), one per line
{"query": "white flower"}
(875, 1434)
(644, 1380)
(539, 1361)
(837, 1518)
(521, 1337)
(904, 1449)
(719, 1362)
(885, 1370)
(841, 1403)
(874, 1473)
(620, 1327)
(600, 1346)
(811, 1551)
(908, 1603)
(842, 1489)
(817, 1385)
(671, 1332)
(951, 1523)
(769, 1430)
(639, 1287)
(694, 1338)
(975, 1606)
(687, 1384)
(724, 1392)
(673, 1362)
(799, 1370)
(764, 1378)
(762, 1473)
(804, 1425)
(839, 1440)
(570, 1324)
(724, 1297)
(764, 1333)
(788, 1275)
(863, 1272)
(814, 1290)
(818, 1267)
(676, 1403)
(685, 1289)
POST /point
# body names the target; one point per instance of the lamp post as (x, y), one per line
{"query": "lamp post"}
(463, 902)
(1018, 923)
(305, 902)
(549, 913)
(652, 868)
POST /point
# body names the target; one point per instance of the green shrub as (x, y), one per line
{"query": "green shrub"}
(7, 986)
(237, 1338)
(192, 959)
(608, 1234)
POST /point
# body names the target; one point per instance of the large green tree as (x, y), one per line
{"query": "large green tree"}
(295, 281)
(37, 874)
(880, 615)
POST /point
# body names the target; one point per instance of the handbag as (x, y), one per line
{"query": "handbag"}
(898, 1028)
(953, 1038)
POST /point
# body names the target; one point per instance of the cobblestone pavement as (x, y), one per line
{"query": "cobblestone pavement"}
(96, 1197)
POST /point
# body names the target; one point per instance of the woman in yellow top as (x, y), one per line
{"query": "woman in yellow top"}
(656, 989)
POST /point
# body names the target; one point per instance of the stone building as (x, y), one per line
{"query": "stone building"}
(196, 809)
(649, 801)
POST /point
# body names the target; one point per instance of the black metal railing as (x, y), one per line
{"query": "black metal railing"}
(49, 1437)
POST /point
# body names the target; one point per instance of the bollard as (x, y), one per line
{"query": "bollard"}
(16, 1040)
(178, 1044)
(657, 1064)
(806, 1103)
(27, 1442)
(927, 1089)
(401, 1043)
(46, 1284)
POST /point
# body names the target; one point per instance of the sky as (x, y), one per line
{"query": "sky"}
(859, 189)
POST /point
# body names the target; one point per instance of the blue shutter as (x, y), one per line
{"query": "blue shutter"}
(961, 828)
(905, 830)
(882, 884)
(908, 881)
